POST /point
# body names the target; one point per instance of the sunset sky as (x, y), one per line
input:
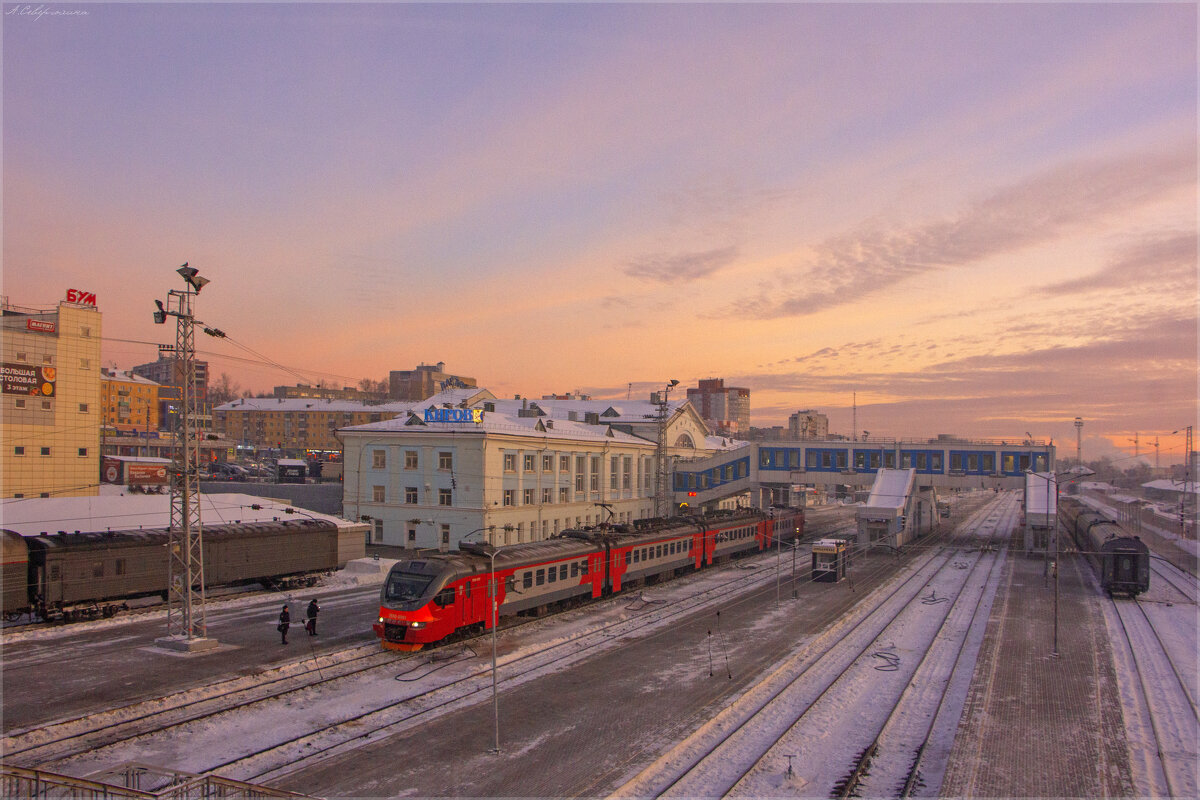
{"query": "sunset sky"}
(979, 219)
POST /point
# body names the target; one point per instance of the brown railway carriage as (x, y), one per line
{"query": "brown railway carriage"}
(88, 574)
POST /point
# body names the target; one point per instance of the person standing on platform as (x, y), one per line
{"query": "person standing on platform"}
(285, 622)
(311, 624)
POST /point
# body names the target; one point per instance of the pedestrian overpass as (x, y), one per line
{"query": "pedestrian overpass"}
(776, 471)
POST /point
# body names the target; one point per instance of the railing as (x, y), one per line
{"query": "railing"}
(162, 784)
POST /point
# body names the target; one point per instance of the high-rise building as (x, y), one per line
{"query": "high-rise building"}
(808, 424)
(425, 381)
(51, 399)
(726, 410)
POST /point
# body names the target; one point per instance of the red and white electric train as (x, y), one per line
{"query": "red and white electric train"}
(430, 598)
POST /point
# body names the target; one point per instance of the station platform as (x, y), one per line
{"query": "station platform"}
(1036, 724)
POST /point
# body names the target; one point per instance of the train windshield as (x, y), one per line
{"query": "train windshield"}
(403, 586)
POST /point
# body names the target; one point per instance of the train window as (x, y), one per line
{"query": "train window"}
(98, 569)
(541, 577)
(510, 583)
(658, 551)
(636, 554)
(445, 597)
(562, 572)
(553, 574)
(120, 566)
(527, 581)
(467, 590)
(574, 569)
(54, 573)
(583, 568)
(406, 585)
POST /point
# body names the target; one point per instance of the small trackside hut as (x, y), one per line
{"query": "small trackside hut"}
(829, 560)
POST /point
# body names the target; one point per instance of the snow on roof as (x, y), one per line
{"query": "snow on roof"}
(119, 512)
(126, 376)
(496, 422)
(1171, 486)
(1039, 493)
(891, 489)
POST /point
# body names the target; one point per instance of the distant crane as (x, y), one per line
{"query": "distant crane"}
(1136, 452)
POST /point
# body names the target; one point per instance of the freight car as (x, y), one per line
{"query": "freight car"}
(74, 576)
(1121, 562)
(428, 599)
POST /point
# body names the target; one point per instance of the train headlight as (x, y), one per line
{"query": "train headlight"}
(416, 624)
(381, 619)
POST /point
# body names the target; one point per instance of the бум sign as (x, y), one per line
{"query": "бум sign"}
(454, 415)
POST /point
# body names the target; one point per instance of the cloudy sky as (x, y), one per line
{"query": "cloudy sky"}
(976, 219)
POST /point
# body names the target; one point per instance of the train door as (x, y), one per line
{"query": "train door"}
(620, 560)
(1124, 570)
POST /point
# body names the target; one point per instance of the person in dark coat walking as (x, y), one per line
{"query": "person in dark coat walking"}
(285, 622)
(311, 624)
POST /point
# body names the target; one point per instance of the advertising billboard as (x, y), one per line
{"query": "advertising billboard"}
(27, 380)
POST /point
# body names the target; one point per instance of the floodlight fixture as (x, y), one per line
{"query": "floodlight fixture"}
(160, 316)
(192, 276)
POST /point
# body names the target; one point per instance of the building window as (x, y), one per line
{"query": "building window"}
(614, 462)
(445, 535)
(510, 497)
(83, 408)
(412, 537)
(377, 495)
(510, 462)
(83, 452)
(564, 463)
(564, 495)
(547, 463)
(21, 357)
(528, 499)
(378, 529)
(445, 497)
(410, 459)
(45, 451)
(410, 495)
(19, 451)
(85, 363)
(445, 460)
(20, 402)
(547, 496)
(529, 462)
(47, 359)
(45, 405)
(85, 332)
(379, 459)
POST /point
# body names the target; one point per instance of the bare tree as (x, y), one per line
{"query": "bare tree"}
(223, 390)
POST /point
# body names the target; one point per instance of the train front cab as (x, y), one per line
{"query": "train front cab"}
(829, 560)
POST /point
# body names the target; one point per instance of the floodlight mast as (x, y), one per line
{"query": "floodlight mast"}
(187, 625)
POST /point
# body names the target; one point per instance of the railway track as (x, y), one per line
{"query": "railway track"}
(103, 736)
(749, 749)
(1166, 716)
